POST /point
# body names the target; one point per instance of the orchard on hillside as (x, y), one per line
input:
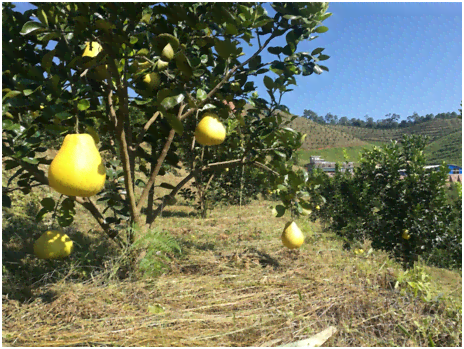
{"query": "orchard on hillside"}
(139, 78)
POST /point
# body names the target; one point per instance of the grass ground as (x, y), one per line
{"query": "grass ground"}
(234, 284)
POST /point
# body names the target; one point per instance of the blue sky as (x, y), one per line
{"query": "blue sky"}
(384, 58)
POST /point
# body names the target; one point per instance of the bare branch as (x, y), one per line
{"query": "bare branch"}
(124, 151)
(214, 167)
(159, 162)
(145, 129)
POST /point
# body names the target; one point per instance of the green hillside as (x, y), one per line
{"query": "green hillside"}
(434, 129)
(321, 136)
(448, 149)
(328, 141)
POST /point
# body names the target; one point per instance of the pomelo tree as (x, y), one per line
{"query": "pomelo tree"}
(149, 73)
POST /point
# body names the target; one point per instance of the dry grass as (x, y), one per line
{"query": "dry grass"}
(234, 285)
(237, 286)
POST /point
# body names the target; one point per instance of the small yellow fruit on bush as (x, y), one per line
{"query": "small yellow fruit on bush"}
(359, 251)
(210, 131)
(318, 207)
(292, 237)
(92, 49)
(77, 169)
(53, 244)
(405, 234)
(168, 53)
(152, 80)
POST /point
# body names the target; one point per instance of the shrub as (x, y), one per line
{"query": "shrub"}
(376, 203)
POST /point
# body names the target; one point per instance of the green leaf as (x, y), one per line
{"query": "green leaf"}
(167, 186)
(48, 204)
(325, 16)
(30, 27)
(64, 115)
(143, 52)
(175, 123)
(323, 57)
(170, 102)
(47, 60)
(321, 29)
(28, 92)
(317, 51)
(225, 48)
(133, 40)
(91, 131)
(268, 82)
(141, 101)
(231, 29)
(255, 62)
(104, 25)
(40, 214)
(83, 104)
(140, 183)
(11, 94)
(280, 210)
(201, 94)
(291, 17)
(6, 201)
(42, 16)
(275, 50)
(31, 161)
(183, 65)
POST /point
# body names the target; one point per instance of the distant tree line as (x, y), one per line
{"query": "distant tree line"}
(390, 121)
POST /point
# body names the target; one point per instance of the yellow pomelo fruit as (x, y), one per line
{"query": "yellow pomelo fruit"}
(292, 237)
(77, 169)
(210, 131)
(152, 80)
(53, 244)
(405, 234)
(161, 65)
(92, 49)
(168, 53)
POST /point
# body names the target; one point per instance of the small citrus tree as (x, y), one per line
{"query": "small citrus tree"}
(143, 75)
(405, 216)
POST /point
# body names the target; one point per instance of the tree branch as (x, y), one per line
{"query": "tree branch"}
(215, 166)
(124, 153)
(145, 129)
(159, 162)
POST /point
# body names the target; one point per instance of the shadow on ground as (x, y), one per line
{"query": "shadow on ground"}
(24, 273)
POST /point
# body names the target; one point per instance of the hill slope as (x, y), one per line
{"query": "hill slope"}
(448, 149)
(434, 129)
(321, 136)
